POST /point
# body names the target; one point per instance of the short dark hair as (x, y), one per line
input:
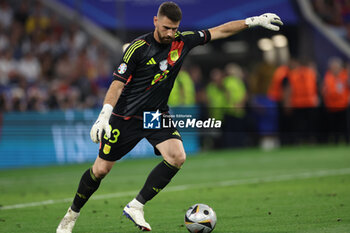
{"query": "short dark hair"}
(170, 10)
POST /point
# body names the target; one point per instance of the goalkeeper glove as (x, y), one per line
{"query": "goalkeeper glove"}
(102, 124)
(266, 20)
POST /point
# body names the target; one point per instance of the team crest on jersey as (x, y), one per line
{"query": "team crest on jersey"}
(122, 68)
(174, 55)
(163, 65)
(106, 149)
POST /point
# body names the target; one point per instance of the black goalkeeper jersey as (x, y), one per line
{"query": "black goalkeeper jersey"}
(149, 70)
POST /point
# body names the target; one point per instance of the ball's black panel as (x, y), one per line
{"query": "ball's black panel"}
(207, 224)
(195, 209)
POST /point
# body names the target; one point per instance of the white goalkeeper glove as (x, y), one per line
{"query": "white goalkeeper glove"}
(266, 20)
(102, 124)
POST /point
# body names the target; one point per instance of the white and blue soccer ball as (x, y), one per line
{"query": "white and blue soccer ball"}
(200, 218)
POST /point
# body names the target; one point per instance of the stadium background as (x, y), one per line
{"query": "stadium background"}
(267, 170)
(57, 58)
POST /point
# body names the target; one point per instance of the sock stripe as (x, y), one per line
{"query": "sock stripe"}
(88, 184)
(170, 166)
(93, 176)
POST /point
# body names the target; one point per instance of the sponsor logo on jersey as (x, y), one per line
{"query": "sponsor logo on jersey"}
(151, 62)
(151, 120)
(176, 133)
(122, 68)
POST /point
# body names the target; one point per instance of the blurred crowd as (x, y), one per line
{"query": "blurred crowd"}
(47, 64)
(273, 104)
(335, 13)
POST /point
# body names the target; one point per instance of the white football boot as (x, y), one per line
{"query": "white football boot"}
(67, 223)
(134, 212)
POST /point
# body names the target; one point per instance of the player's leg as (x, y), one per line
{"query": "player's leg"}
(111, 149)
(89, 183)
(174, 156)
(124, 136)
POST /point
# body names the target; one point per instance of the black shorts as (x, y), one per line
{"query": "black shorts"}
(127, 133)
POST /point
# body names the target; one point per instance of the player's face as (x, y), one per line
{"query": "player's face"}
(165, 29)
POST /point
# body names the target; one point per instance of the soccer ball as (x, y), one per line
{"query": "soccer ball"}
(200, 218)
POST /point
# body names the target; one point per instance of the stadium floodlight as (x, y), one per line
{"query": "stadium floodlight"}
(280, 41)
(265, 44)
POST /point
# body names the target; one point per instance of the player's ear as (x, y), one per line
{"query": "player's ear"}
(155, 20)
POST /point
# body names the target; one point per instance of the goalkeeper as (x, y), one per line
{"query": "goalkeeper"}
(142, 82)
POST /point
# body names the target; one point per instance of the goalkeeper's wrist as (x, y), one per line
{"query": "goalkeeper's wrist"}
(251, 21)
(106, 110)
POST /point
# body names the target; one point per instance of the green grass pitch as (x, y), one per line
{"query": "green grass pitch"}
(300, 189)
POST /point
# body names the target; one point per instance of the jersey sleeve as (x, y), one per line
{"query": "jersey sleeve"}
(195, 38)
(129, 60)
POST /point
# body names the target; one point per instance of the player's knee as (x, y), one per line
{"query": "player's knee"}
(179, 158)
(100, 171)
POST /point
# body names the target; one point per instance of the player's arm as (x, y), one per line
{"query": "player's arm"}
(113, 93)
(267, 20)
(122, 75)
(102, 122)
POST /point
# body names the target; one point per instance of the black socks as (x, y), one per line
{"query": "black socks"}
(87, 186)
(159, 177)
